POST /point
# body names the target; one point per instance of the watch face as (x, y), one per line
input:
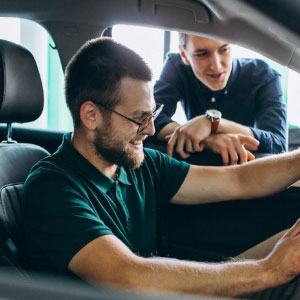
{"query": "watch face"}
(214, 113)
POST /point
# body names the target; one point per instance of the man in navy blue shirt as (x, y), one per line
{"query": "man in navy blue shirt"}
(206, 80)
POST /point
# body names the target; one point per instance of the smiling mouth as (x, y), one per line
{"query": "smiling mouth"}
(137, 144)
(216, 76)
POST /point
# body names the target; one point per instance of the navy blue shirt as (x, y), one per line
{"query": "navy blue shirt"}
(253, 97)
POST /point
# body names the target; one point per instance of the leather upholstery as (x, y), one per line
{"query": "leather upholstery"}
(10, 211)
(16, 160)
(21, 100)
(21, 91)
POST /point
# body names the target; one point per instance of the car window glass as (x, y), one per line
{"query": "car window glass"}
(289, 78)
(147, 42)
(150, 44)
(37, 40)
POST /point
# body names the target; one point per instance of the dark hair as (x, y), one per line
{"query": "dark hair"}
(182, 39)
(95, 72)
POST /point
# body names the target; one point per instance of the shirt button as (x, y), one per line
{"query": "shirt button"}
(213, 99)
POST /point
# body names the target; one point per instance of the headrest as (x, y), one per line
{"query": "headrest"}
(21, 91)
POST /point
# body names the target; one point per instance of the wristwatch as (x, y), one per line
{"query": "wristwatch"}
(215, 117)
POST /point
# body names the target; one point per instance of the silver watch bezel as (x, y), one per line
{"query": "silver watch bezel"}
(213, 114)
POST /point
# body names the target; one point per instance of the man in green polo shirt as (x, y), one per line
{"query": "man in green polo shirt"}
(90, 209)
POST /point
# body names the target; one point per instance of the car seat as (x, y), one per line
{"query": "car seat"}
(21, 100)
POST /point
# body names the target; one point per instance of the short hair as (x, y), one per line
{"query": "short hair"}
(182, 39)
(95, 72)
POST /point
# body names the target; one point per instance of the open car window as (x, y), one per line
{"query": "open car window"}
(154, 44)
(35, 38)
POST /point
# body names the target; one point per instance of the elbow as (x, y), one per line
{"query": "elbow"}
(275, 146)
(120, 272)
(106, 260)
(280, 143)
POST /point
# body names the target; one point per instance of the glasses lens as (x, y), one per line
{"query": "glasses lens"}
(154, 115)
(144, 124)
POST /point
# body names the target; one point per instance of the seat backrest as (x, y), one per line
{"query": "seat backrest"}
(21, 100)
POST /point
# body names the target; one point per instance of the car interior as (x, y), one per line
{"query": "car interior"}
(209, 232)
(17, 158)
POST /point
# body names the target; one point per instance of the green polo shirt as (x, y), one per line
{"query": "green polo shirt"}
(68, 203)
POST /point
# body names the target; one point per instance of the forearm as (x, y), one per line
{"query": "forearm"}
(268, 175)
(167, 130)
(227, 279)
(255, 179)
(107, 260)
(227, 126)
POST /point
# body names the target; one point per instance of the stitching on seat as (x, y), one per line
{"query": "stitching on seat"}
(1, 200)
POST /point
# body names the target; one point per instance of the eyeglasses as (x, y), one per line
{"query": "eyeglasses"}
(144, 123)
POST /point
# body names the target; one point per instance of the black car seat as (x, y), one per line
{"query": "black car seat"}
(21, 100)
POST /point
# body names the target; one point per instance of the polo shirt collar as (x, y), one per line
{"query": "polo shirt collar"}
(77, 162)
(123, 176)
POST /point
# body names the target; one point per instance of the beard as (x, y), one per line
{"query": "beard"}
(117, 151)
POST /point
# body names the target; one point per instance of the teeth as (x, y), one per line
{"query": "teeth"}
(137, 142)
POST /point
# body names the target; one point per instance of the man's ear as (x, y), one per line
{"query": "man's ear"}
(183, 55)
(89, 115)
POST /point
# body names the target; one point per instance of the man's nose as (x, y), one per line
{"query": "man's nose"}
(150, 129)
(215, 62)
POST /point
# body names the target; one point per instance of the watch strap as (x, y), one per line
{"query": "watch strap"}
(214, 125)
